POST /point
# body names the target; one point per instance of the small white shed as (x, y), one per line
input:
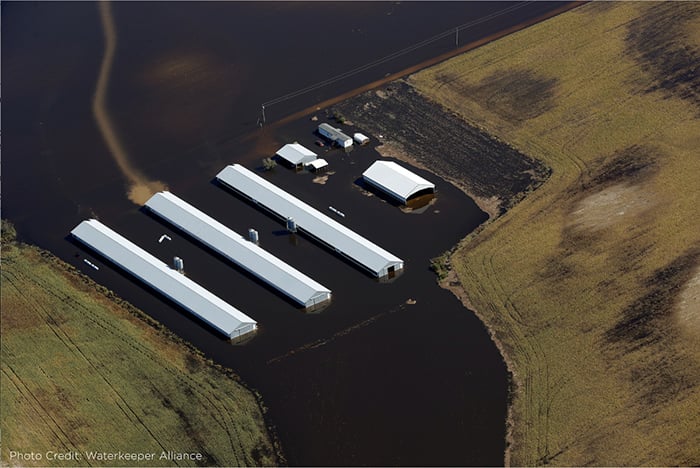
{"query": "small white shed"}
(317, 165)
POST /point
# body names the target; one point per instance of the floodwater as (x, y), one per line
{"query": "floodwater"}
(373, 379)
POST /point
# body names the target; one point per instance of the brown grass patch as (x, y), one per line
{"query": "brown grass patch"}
(581, 282)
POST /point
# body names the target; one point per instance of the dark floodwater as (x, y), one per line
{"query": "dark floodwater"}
(384, 382)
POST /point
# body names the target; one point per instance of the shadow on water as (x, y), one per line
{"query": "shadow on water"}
(395, 373)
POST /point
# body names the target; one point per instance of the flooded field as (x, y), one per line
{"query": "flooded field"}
(389, 373)
(375, 354)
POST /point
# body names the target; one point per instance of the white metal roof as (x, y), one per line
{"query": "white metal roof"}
(334, 134)
(396, 180)
(318, 163)
(360, 138)
(307, 218)
(296, 153)
(236, 248)
(176, 286)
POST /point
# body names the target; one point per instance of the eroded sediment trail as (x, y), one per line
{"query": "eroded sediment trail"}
(140, 187)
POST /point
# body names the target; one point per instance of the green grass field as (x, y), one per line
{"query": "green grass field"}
(82, 371)
(590, 284)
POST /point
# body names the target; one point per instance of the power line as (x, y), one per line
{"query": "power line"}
(394, 55)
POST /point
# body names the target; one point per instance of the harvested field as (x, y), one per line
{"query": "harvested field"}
(426, 135)
(82, 371)
(589, 284)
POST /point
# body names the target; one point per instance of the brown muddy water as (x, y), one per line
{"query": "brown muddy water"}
(374, 378)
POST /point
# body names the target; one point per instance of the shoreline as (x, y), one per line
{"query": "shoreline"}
(451, 283)
(489, 206)
(74, 275)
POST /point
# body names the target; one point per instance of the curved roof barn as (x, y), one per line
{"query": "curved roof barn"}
(397, 181)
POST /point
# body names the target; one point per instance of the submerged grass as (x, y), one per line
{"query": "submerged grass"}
(580, 281)
(83, 372)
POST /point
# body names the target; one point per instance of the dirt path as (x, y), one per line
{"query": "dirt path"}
(141, 188)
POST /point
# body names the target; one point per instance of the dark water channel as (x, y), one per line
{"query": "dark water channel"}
(373, 380)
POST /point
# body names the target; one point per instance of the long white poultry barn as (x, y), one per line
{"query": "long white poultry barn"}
(397, 181)
(341, 239)
(183, 291)
(237, 249)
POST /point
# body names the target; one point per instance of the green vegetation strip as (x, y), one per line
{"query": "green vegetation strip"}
(590, 284)
(84, 373)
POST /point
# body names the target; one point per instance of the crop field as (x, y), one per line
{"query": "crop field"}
(590, 284)
(82, 371)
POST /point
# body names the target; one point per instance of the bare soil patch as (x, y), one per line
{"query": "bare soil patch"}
(610, 206)
(688, 309)
(615, 190)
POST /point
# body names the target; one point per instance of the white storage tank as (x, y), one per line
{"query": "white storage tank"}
(179, 265)
(253, 236)
(360, 139)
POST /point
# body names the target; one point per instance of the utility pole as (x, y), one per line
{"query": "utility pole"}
(263, 114)
(457, 36)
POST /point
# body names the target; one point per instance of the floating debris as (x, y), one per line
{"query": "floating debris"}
(339, 213)
(91, 264)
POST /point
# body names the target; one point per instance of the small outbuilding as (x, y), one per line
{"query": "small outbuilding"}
(296, 155)
(317, 165)
(360, 139)
(397, 181)
(335, 135)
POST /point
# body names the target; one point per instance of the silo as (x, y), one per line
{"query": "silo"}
(179, 265)
(253, 236)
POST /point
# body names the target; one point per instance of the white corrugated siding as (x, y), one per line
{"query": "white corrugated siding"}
(236, 248)
(156, 274)
(395, 180)
(339, 237)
